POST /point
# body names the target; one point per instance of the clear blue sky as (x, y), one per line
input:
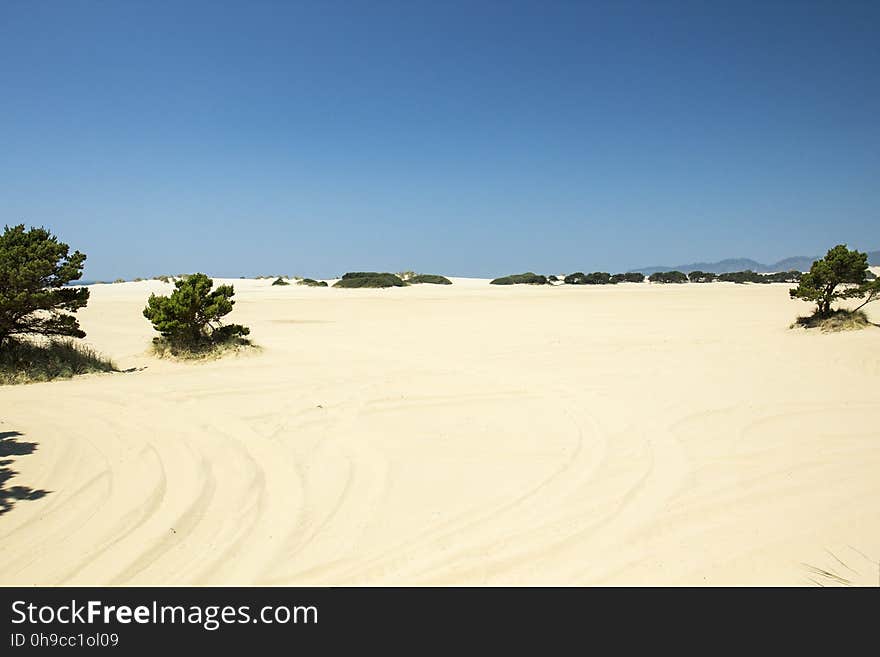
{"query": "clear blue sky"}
(462, 138)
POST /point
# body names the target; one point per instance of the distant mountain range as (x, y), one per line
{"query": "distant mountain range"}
(799, 263)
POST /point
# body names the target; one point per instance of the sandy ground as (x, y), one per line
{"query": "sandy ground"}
(634, 434)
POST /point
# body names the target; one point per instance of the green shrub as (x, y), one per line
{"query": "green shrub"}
(436, 279)
(528, 278)
(702, 276)
(280, 281)
(598, 278)
(668, 277)
(792, 276)
(747, 276)
(311, 282)
(553, 278)
(189, 319)
(24, 361)
(364, 274)
(629, 277)
(35, 269)
(369, 279)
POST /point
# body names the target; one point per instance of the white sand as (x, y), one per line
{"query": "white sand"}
(634, 434)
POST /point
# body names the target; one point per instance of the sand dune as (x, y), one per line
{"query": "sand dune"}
(465, 434)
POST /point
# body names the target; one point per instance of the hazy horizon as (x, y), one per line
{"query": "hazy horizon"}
(468, 139)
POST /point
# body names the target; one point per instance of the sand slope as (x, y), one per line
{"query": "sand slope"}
(467, 434)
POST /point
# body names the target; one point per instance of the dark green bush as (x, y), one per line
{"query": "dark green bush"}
(369, 279)
(189, 319)
(792, 276)
(668, 277)
(598, 278)
(747, 276)
(702, 277)
(280, 281)
(367, 274)
(436, 279)
(528, 278)
(629, 277)
(311, 282)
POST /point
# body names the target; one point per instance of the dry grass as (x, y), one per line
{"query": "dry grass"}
(839, 320)
(161, 348)
(32, 361)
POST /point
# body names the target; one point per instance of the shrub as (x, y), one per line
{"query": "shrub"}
(668, 277)
(365, 274)
(436, 279)
(629, 277)
(792, 276)
(280, 281)
(702, 277)
(528, 278)
(747, 276)
(834, 321)
(189, 319)
(553, 278)
(369, 279)
(311, 282)
(598, 278)
(34, 270)
(839, 275)
(163, 278)
(24, 361)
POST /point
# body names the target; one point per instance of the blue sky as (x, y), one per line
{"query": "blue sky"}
(462, 138)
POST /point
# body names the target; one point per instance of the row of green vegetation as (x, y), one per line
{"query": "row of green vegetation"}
(747, 276)
(606, 278)
(529, 278)
(378, 279)
(351, 279)
(602, 278)
(577, 278)
(668, 277)
(39, 329)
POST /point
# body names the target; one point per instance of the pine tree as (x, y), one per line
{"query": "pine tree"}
(34, 270)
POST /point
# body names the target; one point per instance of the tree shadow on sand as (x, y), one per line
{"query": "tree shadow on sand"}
(9, 495)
